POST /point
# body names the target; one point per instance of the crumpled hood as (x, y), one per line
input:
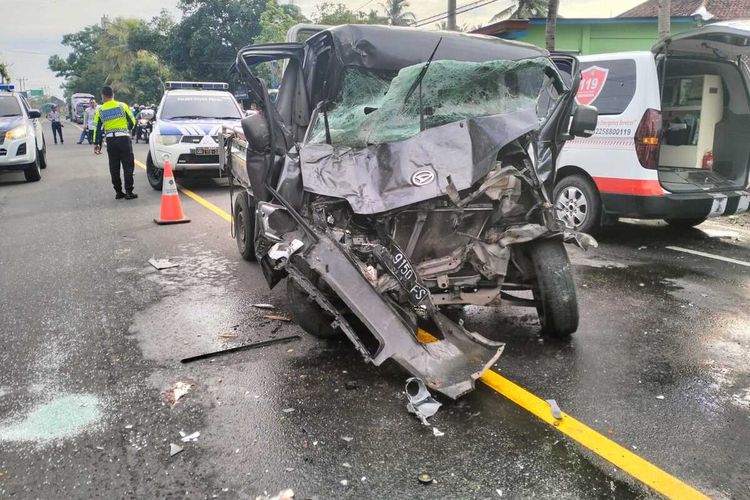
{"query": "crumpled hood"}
(9, 122)
(386, 176)
(193, 127)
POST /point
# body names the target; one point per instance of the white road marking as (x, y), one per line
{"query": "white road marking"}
(710, 256)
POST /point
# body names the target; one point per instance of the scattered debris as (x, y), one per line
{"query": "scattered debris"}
(436, 432)
(420, 402)
(642, 247)
(264, 306)
(191, 438)
(160, 264)
(177, 391)
(556, 412)
(344, 482)
(289, 469)
(499, 492)
(287, 494)
(660, 396)
(641, 284)
(256, 345)
(425, 478)
(350, 385)
(347, 465)
(288, 410)
(228, 335)
(276, 317)
(348, 439)
(129, 426)
(174, 449)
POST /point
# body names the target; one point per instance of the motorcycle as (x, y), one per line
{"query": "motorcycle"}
(144, 125)
(407, 186)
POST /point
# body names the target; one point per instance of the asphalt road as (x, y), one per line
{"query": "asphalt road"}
(91, 338)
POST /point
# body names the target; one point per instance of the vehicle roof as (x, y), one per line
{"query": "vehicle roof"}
(632, 54)
(198, 92)
(393, 48)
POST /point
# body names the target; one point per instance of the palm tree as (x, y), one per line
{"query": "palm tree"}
(550, 30)
(396, 15)
(522, 9)
(4, 75)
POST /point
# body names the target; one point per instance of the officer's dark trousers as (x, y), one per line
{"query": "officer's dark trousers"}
(57, 130)
(120, 152)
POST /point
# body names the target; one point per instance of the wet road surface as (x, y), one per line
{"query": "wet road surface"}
(92, 338)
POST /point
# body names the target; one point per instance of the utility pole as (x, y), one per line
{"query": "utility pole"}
(665, 15)
(451, 21)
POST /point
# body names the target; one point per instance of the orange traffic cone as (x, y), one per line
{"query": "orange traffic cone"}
(171, 208)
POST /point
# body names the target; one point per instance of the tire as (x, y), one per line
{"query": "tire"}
(43, 155)
(308, 315)
(244, 226)
(33, 171)
(554, 288)
(685, 223)
(577, 204)
(154, 175)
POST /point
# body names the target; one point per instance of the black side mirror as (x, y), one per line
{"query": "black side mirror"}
(256, 132)
(584, 121)
(35, 113)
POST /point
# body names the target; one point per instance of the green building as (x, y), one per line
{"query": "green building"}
(635, 29)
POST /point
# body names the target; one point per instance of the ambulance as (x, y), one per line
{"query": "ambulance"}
(673, 137)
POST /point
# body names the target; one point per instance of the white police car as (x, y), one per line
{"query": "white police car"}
(188, 123)
(22, 146)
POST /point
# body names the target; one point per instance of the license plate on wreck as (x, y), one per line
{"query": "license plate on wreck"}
(408, 278)
(206, 151)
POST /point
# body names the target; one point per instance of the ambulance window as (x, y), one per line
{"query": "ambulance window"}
(608, 85)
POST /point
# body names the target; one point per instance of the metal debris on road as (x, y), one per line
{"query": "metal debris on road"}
(276, 317)
(264, 306)
(177, 391)
(425, 478)
(174, 449)
(160, 264)
(436, 432)
(420, 402)
(191, 438)
(256, 345)
(556, 412)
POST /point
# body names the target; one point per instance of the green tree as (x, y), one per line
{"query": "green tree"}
(522, 9)
(114, 55)
(205, 42)
(80, 68)
(334, 14)
(396, 15)
(4, 73)
(146, 77)
(276, 21)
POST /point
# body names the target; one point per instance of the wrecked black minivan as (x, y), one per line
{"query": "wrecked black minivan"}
(401, 172)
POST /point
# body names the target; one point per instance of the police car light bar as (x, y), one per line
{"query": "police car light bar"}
(197, 85)
(7, 87)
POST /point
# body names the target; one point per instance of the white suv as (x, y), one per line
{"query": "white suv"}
(188, 123)
(22, 146)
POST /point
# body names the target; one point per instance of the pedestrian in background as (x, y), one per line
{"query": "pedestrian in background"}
(114, 121)
(88, 122)
(54, 117)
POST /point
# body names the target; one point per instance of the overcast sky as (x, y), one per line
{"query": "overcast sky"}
(36, 27)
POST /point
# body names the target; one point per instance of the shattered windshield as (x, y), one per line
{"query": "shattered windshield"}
(371, 106)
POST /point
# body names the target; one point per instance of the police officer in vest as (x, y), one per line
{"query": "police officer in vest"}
(114, 121)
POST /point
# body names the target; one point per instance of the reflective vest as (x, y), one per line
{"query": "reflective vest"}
(112, 116)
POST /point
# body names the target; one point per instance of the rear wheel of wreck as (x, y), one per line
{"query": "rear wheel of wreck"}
(244, 226)
(554, 288)
(308, 315)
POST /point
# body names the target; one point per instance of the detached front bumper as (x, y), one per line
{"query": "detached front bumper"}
(10, 159)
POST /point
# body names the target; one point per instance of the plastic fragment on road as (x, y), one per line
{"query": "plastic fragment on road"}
(177, 391)
(288, 410)
(174, 449)
(255, 345)
(421, 402)
(436, 432)
(344, 482)
(276, 317)
(348, 439)
(160, 264)
(287, 494)
(556, 412)
(425, 478)
(191, 438)
(660, 396)
(264, 306)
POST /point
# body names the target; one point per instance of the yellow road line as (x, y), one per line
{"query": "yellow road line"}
(199, 199)
(637, 467)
